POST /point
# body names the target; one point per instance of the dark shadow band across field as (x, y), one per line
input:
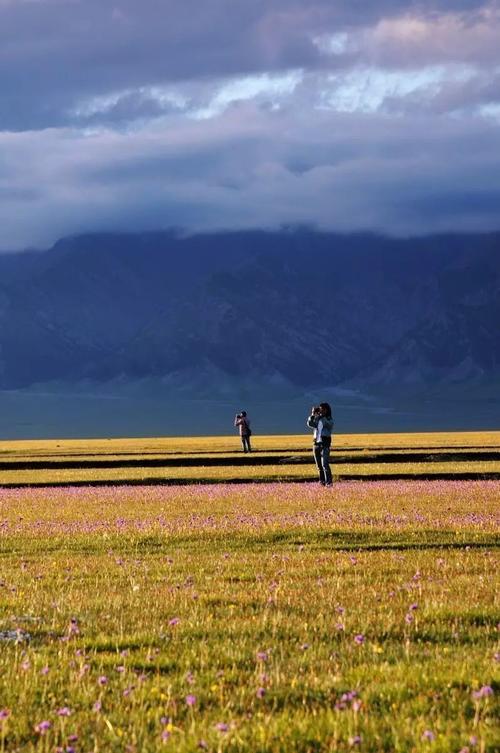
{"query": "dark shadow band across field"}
(179, 481)
(190, 461)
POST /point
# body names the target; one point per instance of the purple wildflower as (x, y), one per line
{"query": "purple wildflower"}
(102, 680)
(260, 692)
(4, 714)
(65, 711)
(483, 692)
(409, 618)
(359, 639)
(174, 621)
(262, 655)
(44, 670)
(191, 699)
(222, 727)
(43, 727)
(356, 740)
(73, 628)
(97, 706)
(428, 735)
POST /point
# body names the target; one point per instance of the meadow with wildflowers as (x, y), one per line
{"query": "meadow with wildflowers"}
(255, 617)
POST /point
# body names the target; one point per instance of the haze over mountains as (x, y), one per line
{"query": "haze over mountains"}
(252, 316)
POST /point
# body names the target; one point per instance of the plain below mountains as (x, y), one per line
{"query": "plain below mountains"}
(235, 314)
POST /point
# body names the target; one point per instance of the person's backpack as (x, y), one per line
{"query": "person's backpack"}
(248, 431)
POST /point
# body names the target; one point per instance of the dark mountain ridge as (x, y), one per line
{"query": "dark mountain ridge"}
(311, 309)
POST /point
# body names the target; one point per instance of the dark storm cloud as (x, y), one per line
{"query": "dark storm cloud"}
(54, 53)
(239, 170)
(344, 114)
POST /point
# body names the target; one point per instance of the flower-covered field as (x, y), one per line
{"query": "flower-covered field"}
(270, 617)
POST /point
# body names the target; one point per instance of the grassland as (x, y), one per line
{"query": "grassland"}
(271, 617)
(254, 617)
(219, 459)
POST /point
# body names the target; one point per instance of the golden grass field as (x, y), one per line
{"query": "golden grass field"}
(275, 458)
(169, 611)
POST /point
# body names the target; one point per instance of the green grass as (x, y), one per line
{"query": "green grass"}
(250, 599)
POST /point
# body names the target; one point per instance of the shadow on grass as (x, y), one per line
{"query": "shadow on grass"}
(217, 543)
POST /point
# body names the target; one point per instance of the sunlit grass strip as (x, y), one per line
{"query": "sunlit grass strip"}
(237, 457)
(273, 618)
(279, 472)
(231, 443)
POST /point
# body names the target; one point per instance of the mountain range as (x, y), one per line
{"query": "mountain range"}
(291, 312)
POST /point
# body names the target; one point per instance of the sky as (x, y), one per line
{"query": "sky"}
(346, 115)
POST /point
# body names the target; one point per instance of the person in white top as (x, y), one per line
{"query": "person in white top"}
(243, 422)
(321, 421)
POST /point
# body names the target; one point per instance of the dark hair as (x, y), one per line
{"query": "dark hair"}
(326, 407)
(243, 413)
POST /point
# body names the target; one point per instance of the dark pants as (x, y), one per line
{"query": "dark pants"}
(245, 441)
(321, 452)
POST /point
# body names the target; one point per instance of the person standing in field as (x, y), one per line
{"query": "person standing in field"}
(242, 421)
(321, 421)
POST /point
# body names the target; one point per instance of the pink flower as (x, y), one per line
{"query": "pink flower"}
(44, 671)
(73, 628)
(262, 655)
(4, 714)
(65, 711)
(222, 727)
(359, 639)
(483, 692)
(43, 727)
(97, 706)
(356, 740)
(174, 621)
(190, 699)
(102, 680)
(260, 692)
(428, 735)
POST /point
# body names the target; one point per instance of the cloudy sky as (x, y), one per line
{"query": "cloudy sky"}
(208, 114)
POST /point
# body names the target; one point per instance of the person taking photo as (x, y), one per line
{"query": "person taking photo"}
(242, 421)
(321, 421)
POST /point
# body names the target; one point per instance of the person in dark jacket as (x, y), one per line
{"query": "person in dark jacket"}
(243, 422)
(321, 421)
